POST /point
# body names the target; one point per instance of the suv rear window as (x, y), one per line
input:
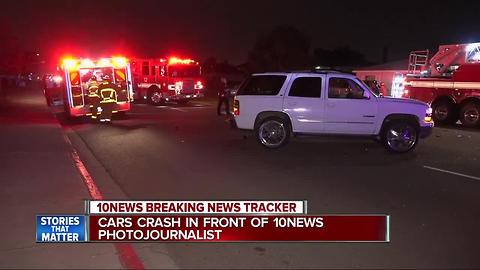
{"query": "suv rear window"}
(268, 85)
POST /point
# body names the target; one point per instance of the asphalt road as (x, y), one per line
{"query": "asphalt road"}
(187, 152)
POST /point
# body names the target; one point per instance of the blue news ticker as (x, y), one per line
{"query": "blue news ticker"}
(61, 228)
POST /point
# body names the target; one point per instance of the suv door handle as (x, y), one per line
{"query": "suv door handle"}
(330, 105)
(369, 116)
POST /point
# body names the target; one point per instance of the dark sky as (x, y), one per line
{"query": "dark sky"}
(228, 29)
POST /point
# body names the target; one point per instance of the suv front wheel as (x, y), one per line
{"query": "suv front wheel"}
(273, 132)
(400, 137)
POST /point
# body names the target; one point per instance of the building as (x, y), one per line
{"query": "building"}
(390, 73)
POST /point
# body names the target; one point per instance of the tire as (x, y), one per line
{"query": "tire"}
(400, 136)
(470, 114)
(154, 96)
(443, 112)
(273, 132)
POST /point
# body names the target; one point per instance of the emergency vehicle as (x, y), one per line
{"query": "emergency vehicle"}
(449, 81)
(70, 85)
(167, 79)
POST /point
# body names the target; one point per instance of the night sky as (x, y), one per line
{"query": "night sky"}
(227, 29)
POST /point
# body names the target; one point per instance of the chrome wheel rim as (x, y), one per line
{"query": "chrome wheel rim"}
(401, 138)
(272, 133)
(471, 115)
(441, 112)
(156, 97)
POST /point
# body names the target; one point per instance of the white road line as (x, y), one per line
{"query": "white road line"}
(450, 172)
(178, 109)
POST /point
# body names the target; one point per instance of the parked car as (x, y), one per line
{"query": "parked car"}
(277, 105)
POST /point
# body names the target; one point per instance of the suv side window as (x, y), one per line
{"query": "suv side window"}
(344, 88)
(268, 85)
(306, 87)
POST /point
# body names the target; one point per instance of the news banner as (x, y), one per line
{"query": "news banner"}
(207, 221)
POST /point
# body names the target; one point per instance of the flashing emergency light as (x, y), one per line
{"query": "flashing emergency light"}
(69, 63)
(57, 79)
(176, 60)
(198, 85)
(119, 62)
(87, 63)
(177, 86)
(104, 62)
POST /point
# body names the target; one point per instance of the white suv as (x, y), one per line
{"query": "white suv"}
(277, 105)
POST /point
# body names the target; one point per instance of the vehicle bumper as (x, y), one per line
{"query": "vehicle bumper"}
(85, 110)
(173, 97)
(426, 131)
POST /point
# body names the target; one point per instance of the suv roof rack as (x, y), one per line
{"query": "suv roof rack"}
(324, 69)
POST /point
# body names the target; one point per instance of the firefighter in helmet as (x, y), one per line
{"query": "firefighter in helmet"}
(93, 97)
(108, 98)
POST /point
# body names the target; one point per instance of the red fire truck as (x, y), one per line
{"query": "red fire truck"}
(167, 79)
(449, 81)
(70, 85)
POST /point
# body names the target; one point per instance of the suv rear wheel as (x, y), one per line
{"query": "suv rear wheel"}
(273, 132)
(470, 114)
(400, 136)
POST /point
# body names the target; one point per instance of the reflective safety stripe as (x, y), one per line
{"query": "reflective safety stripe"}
(443, 84)
(147, 85)
(120, 75)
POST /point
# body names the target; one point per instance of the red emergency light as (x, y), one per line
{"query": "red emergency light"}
(73, 64)
(176, 60)
(69, 63)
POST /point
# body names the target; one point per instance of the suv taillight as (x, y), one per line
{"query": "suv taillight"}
(236, 107)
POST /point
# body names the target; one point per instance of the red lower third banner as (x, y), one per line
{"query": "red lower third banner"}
(341, 228)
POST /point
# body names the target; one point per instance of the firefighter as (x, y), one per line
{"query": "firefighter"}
(383, 90)
(93, 97)
(108, 98)
(223, 97)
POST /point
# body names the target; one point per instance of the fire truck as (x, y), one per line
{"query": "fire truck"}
(161, 80)
(71, 83)
(449, 81)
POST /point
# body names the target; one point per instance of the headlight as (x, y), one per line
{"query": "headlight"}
(429, 111)
(428, 115)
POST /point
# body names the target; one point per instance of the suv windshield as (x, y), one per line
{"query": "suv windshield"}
(268, 85)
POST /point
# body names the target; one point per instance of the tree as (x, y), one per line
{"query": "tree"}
(283, 48)
(339, 57)
(209, 65)
(12, 59)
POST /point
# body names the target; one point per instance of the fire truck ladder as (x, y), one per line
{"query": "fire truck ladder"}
(417, 61)
(472, 53)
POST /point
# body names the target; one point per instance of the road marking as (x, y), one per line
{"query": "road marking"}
(450, 172)
(178, 109)
(127, 255)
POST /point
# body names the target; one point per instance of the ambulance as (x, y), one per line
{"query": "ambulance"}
(71, 83)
